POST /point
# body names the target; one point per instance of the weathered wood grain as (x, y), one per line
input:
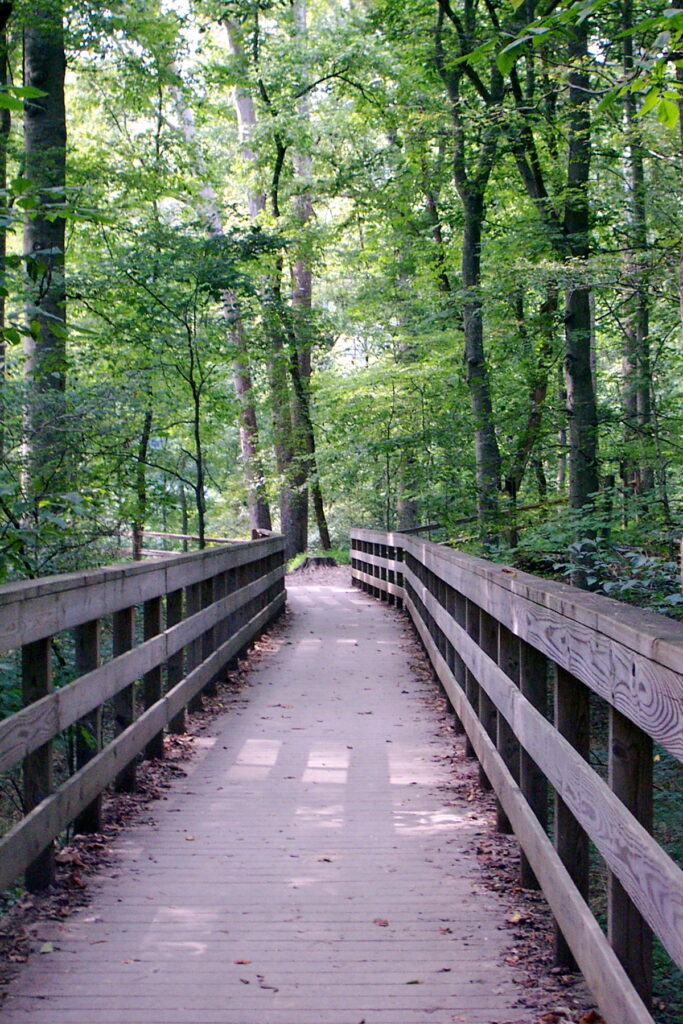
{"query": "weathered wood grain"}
(618, 1000)
(26, 841)
(652, 880)
(641, 688)
(44, 719)
(89, 735)
(33, 610)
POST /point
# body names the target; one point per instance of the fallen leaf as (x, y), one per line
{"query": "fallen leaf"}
(47, 947)
(241, 961)
(415, 981)
(515, 917)
(189, 839)
(381, 922)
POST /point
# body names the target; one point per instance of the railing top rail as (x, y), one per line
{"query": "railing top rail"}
(648, 633)
(33, 609)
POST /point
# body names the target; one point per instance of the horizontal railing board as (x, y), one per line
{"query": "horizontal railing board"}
(374, 581)
(649, 694)
(28, 838)
(650, 634)
(645, 691)
(34, 725)
(618, 1000)
(653, 881)
(384, 563)
(31, 610)
(646, 632)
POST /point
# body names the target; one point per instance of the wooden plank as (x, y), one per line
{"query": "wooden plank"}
(151, 681)
(123, 631)
(89, 734)
(630, 777)
(25, 841)
(640, 688)
(507, 743)
(572, 721)
(33, 610)
(193, 658)
(533, 683)
(34, 725)
(653, 881)
(38, 767)
(175, 663)
(617, 999)
(488, 642)
(648, 633)
(471, 627)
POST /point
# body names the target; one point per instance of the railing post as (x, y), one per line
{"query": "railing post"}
(630, 778)
(488, 641)
(123, 626)
(533, 681)
(193, 604)
(152, 626)
(471, 684)
(208, 639)
(36, 682)
(89, 728)
(572, 720)
(174, 665)
(506, 741)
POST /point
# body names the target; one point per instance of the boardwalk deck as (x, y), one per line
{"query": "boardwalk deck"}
(310, 870)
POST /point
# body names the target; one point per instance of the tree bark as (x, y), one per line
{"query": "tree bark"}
(257, 502)
(581, 406)
(637, 469)
(141, 485)
(5, 127)
(45, 167)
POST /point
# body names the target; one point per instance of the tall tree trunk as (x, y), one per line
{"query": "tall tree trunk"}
(638, 471)
(257, 501)
(141, 485)
(5, 127)
(45, 159)
(581, 405)
(292, 494)
(487, 453)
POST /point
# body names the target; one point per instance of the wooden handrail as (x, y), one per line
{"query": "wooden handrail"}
(217, 601)
(494, 634)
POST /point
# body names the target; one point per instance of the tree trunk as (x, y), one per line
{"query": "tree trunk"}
(5, 127)
(141, 486)
(637, 471)
(45, 350)
(581, 406)
(257, 501)
(487, 453)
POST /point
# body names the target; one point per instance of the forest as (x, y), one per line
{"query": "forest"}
(390, 262)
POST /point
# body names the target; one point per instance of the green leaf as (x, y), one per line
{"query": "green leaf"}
(667, 112)
(507, 58)
(10, 102)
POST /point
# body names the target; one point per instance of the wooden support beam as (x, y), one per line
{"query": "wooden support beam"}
(151, 682)
(506, 741)
(38, 768)
(630, 778)
(533, 682)
(471, 684)
(123, 627)
(572, 720)
(488, 641)
(89, 728)
(175, 666)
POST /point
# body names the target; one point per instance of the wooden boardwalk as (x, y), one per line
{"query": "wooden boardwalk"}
(310, 870)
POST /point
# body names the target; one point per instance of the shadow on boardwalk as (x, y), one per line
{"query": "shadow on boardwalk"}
(314, 867)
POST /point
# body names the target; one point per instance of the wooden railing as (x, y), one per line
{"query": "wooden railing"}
(507, 647)
(215, 601)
